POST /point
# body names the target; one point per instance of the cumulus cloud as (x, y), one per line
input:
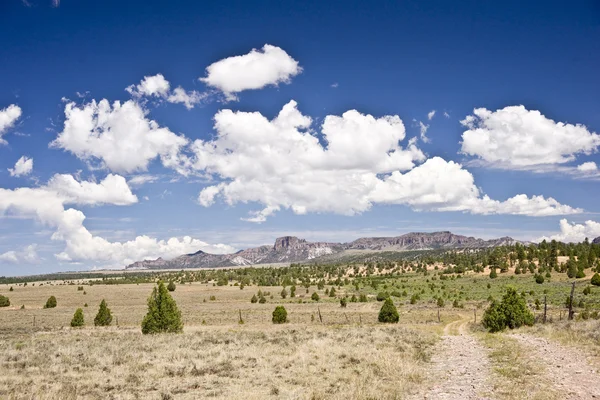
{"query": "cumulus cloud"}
(572, 232)
(27, 255)
(23, 167)
(270, 65)
(446, 114)
(515, 137)
(8, 118)
(158, 87)
(430, 115)
(46, 204)
(282, 164)
(120, 136)
(589, 166)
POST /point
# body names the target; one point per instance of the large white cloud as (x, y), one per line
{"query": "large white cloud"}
(23, 167)
(47, 205)
(119, 135)
(8, 118)
(586, 167)
(515, 137)
(280, 164)
(572, 232)
(269, 66)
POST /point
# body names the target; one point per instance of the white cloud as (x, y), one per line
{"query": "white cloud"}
(46, 204)
(27, 255)
(423, 132)
(140, 180)
(589, 166)
(334, 85)
(515, 137)
(282, 165)
(157, 86)
(119, 135)
(23, 167)
(572, 232)
(188, 99)
(430, 115)
(446, 114)
(8, 117)
(269, 66)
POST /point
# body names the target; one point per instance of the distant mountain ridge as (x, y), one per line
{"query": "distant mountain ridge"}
(596, 241)
(293, 249)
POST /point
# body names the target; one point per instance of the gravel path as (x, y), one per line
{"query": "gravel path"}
(460, 366)
(569, 369)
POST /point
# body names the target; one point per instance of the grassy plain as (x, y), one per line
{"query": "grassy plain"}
(348, 355)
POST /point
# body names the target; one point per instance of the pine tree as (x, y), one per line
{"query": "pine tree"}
(388, 312)
(4, 301)
(595, 279)
(171, 286)
(104, 317)
(163, 314)
(77, 320)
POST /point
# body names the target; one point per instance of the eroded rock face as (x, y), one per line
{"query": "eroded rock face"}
(596, 241)
(293, 249)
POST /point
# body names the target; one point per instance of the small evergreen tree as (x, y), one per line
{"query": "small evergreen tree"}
(343, 302)
(51, 302)
(293, 291)
(254, 299)
(353, 299)
(493, 274)
(279, 315)
(381, 296)
(77, 320)
(332, 292)
(362, 298)
(315, 296)
(171, 286)
(283, 293)
(11, 289)
(262, 299)
(4, 301)
(511, 312)
(388, 312)
(440, 302)
(104, 317)
(163, 315)
(595, 279)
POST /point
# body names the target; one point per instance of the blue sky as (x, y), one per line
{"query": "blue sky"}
(191, 175)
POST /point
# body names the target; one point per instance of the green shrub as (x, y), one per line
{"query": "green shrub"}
(104, 317)
(279, 315)
(212, 298)
(332, 292)
(511, 312)
(587, 290)
(539, 279)
(11, 289)
(163, 314)
(595, 279)
(343, 302)
(171, 286)
(4, 301)
(51, 302)
(381, 296)
(363, 298)
(440, 302)
(493, 274)
(353, 299)
(283, 293)
(414, 298)
(388, 312)
(315, 296)
(262, 299)
(77, 320)
(254, 299)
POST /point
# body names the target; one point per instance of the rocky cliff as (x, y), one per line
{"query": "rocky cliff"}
(292, 249)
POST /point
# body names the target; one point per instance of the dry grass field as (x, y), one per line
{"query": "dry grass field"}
(349, 355)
